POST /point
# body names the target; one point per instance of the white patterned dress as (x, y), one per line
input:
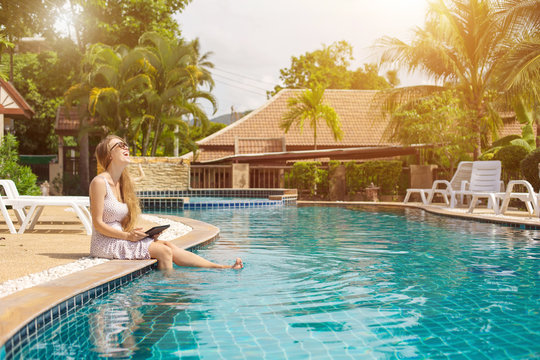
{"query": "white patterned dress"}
(112, 248)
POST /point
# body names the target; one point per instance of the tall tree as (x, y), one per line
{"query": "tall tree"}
(42, 80)
(310, 106)
(462, 44)
(329, 67)
(115, 22)
(25, 18)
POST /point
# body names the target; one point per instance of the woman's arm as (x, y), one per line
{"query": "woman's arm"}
(97, 192)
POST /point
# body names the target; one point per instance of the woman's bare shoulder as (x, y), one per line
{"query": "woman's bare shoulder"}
(98, 182)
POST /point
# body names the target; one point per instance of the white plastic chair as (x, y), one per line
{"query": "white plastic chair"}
(463, 173)
(485, 183)
(36, 204)
(530, 198)
(5, 214)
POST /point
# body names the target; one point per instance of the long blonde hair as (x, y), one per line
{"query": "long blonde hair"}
(127, 190)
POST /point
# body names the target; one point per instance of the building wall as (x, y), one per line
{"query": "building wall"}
(160, 173)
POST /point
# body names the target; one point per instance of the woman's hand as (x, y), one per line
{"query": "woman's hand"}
(136, 235)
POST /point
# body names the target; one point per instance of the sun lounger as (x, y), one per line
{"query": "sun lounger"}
(444, 187)
(29, 208)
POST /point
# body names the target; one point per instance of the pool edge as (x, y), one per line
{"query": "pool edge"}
(530, 223)
(19, 309)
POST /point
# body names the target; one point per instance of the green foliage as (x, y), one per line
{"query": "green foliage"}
(368, 78)
(25, 18)
(22, 176)
(306, 175)
(42, 79)
(385, 174)
(529, 168)
(329, 67)
(504, 141)
(197, 133)
(510, 157)
(437, 119)
(118, 22)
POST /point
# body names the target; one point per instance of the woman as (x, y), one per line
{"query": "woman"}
(115, 207)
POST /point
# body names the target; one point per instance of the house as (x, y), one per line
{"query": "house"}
(12, 107)
(360, 112)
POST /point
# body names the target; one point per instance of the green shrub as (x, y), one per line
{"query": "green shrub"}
(510, 157)
(385, 174)
(306, 175)
(22, 176)
(489, 154)
(529, 168)
(504, 141)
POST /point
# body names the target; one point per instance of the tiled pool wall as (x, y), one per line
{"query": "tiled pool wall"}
(66, 308)
(173, 199)
(63, 310)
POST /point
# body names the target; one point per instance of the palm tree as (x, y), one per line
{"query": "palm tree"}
(521, 70)
(463, 45)
(309, 105)
(111, 81)
(178, 71)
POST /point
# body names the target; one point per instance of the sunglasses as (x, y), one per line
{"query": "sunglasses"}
(121, 145)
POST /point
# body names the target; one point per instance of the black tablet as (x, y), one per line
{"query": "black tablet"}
(156, 230)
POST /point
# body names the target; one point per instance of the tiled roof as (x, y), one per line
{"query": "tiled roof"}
(67, 121)
(359, 111)
(513, 128)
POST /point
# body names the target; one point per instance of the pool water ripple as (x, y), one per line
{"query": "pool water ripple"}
(325, 283)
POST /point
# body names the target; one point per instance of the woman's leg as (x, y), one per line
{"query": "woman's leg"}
(182, 257)
(162, 253)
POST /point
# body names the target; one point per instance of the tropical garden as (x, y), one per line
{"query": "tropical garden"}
(484, 57)
(131, 72)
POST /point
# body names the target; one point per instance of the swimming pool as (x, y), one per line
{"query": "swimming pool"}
(324, 282)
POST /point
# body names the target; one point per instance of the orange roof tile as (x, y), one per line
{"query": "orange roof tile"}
(359, 111)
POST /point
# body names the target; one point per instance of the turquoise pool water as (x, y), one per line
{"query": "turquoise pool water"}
(325, 283)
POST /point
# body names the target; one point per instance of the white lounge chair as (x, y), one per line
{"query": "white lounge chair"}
(5, 214)
(463, 173)
(28, 209)
(530, 198)
(485, 183)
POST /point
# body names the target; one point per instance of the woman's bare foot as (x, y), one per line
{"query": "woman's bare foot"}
(238, 264)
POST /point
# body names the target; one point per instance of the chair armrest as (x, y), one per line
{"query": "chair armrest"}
(464, 185)
(525, 183)
(436, 183)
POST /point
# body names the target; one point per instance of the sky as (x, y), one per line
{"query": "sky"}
(251, 40)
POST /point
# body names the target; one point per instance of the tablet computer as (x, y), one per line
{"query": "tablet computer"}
(156, 230)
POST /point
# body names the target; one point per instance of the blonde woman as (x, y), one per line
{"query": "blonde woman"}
(115, 208)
